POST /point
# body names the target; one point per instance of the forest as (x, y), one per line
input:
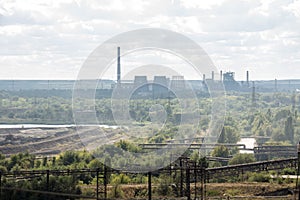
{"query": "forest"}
(273, 115)
(269, 115)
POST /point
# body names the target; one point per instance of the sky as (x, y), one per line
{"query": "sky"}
(51, 39)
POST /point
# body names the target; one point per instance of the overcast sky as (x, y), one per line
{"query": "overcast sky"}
(51, 39)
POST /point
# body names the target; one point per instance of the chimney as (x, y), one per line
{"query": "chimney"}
(221, 75)
(247, 78)
(203, 77)
(212, 75)
(119, 68)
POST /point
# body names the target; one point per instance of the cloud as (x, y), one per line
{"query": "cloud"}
(50, 37)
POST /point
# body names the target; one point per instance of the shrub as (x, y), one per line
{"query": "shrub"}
(242, 159)
(260, 177)
(164, 185)
(212, 193)
(120, 179)
(116, 192)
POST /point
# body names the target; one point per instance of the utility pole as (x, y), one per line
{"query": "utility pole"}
(253, 94)
(293, 102)
(119, 67)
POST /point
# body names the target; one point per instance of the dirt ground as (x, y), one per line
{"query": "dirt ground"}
(216, 191)
(250, 189)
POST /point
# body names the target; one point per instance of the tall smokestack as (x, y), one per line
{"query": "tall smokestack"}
(203, 77)
(247, 78)
(221, 75)
(119, 68)
(212, 75)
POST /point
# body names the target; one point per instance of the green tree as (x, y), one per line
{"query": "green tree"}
(220, 151)
(95, 164)
(45, 161)
(242, 158)
(289, 129)
(69, 157)
(222, 139)
(228, 135)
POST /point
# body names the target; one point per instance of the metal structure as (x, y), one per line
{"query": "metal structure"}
(236, 170)
(268, 152)
(298, 170)
(191, 173)
(101, 190)
(148, 146)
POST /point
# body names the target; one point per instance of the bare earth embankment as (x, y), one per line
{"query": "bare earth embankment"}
(51, 141)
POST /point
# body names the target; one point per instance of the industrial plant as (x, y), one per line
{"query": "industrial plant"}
(161, 86)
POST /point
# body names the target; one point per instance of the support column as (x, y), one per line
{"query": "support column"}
(188, 189)
(181, 177)
(0, 184)
(97, 183)
(149, 186)
(47, 182)
(105, 181)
